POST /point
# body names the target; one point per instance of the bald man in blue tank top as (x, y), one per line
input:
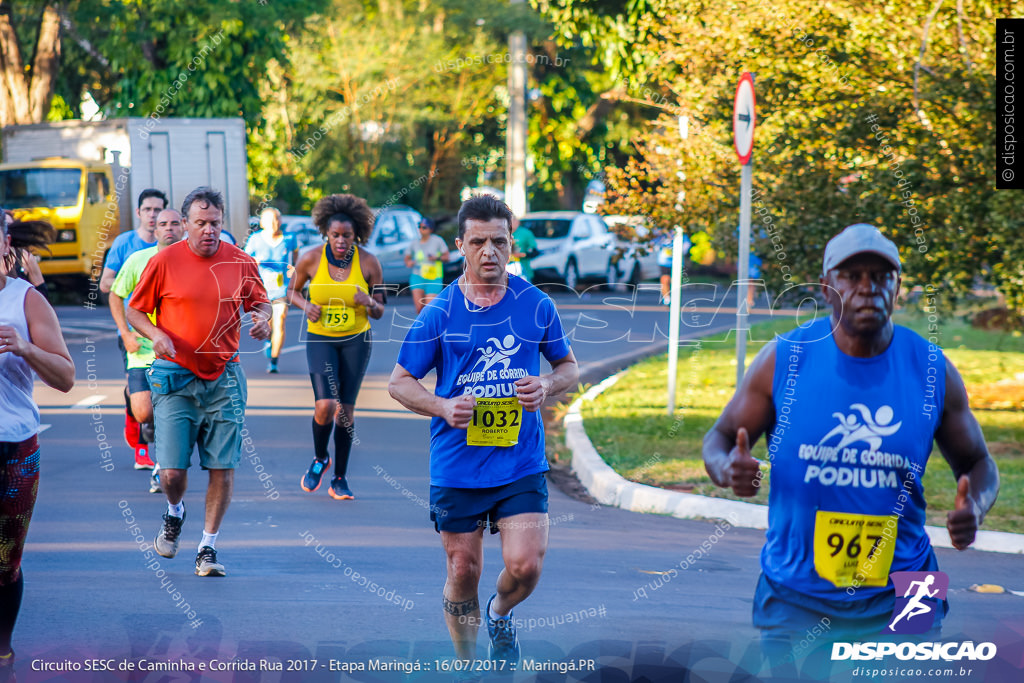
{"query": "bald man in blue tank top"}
(850, 406)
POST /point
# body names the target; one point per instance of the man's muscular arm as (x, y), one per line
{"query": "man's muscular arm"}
(745, 418)
(963, 446)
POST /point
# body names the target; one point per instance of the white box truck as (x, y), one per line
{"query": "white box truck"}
(84, 178)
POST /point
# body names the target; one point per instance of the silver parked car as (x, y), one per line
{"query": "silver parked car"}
(305, 232)
(394, 229)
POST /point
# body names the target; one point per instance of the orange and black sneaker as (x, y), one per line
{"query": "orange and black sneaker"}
(311, 479)
(339, 489)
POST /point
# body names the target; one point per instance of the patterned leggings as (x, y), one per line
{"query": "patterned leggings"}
(19, 482)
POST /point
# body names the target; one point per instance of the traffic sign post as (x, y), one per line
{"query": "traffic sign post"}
(743, 121)
(674, 298)
(673, 325)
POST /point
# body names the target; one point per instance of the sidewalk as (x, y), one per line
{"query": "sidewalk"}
(608, 488)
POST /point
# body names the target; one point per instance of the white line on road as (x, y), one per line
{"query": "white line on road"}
(89, 401)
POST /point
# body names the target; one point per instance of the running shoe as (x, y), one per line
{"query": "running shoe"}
(167, 540)
(207, 564)
(272, 367)
(142, 459)
(311, 479)
(154, 482)
(131, 430)
(339, 489)
(504, 641)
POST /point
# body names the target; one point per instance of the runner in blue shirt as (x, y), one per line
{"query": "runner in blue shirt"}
(275, 252)
(484, 337)
(151, 203)
(850, 405)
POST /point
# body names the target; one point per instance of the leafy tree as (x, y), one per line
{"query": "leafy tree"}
(590, 110)
(393, 101)
(141, 59)
(877, 112)
(27, 84)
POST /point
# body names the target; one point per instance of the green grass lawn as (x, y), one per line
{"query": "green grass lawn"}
(630, 428)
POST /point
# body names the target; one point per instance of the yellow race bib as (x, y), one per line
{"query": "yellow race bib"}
(431, 271)
(852, 549)
(496, 422)
(337, 318)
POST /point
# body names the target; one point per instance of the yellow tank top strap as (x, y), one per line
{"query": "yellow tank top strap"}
(340, 315)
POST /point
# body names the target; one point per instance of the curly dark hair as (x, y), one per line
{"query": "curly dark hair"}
(344, 208)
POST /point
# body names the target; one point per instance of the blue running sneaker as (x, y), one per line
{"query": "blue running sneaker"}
(339, 489)
(504, 641)
(311, 480)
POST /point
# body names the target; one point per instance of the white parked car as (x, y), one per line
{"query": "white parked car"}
(573, 246)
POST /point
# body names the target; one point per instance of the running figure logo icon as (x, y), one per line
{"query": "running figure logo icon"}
(870, 430)
(496, 351)
(921, 593)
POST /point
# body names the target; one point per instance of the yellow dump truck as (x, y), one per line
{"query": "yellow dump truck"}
(84, 177)
(77, 198)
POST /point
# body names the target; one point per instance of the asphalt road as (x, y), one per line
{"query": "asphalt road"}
(322, 587)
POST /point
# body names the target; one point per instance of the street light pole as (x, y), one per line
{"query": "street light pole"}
(674, 294)
(515, 136)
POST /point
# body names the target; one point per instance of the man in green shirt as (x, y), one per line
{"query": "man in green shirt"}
(524, 250)
(168, 231)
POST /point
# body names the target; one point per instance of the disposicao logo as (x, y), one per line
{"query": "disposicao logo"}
(918, 595)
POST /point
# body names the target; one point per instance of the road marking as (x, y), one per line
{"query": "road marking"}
(89, 401)
(86, 329)
(292, 349)
(78, 340)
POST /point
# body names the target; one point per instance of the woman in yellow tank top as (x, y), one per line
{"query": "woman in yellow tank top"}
(344, 293)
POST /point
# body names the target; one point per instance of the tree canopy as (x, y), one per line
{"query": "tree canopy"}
(878, 112)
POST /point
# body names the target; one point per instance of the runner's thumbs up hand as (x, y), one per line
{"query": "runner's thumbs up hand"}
(743, 470)
(964, 520)
(458, 411)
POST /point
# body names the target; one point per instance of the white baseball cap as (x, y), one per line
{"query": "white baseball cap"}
(860, 238)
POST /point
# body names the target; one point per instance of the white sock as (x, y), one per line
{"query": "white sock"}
(208, 539)
(176, 510)
(494, 615)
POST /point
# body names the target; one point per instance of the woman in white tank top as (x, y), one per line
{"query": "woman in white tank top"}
(31, 344)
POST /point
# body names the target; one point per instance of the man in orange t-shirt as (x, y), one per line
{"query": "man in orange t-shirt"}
(196, 288)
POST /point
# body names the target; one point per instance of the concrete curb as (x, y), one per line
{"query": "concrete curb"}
(608, 488)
